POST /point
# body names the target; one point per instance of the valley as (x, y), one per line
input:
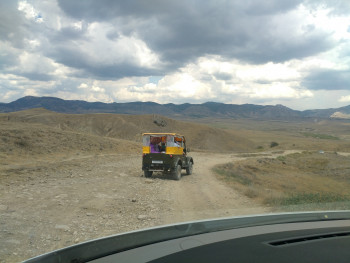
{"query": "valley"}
(69, 178)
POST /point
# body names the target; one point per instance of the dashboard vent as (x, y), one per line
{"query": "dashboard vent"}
(307, 238)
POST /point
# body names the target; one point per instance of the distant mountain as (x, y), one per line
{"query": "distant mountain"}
(339, 113)
(208, 109)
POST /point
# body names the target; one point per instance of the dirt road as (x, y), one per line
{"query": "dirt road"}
(49, 205)
(201, 195)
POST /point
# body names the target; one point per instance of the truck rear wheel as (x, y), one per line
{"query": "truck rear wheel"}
(148, 173)
(189, 168)
(177, 173)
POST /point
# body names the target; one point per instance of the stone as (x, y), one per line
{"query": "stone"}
(141, 217)
(62, 227)
(3, 207)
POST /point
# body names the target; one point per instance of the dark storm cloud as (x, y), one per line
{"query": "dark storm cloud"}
(179, 32)
(182, 31)
(8, 60)
(68, 33)
(328, 80)
(69, 57)
(281, 50)
(223, 76)
(120, 71)
(36, 76)
(13, 27)
(73, 57)
(109, 9)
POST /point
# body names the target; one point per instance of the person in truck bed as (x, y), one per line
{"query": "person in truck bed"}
(163, 147)
(155, 148)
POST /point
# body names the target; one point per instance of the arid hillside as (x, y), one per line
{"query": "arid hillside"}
(70, 178)
(66, 179)
(57, 128)
(20, 142)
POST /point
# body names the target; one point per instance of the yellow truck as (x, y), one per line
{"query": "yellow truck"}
(165, 152)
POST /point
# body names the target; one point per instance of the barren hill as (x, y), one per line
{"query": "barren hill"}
(23, 144)
(208, 109)
(43, 129)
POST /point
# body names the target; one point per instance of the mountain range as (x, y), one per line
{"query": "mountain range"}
(187, 110)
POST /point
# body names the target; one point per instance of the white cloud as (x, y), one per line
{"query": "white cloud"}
(10, 94)
(35, 63)
(94, 87)
(268, 72)
(344, 99)
(86, 96)
(78, 25)
(32, 44)
(100, 50)
(14, 87)
(322, 18)
(197, 82)
(30, 92)
(97, 89)
(29, 11)
(183, 85)
(278, 91)
(83, 86)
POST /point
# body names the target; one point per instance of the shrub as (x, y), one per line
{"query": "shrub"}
(281, 158)
(273, 144)
(22, 143)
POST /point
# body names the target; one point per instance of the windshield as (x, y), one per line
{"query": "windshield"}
(118, 116)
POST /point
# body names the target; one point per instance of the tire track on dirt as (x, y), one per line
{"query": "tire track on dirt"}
(202, 196)
(49, 205)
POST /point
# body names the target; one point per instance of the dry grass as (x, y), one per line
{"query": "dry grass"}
(41, 135)
(22, 142)
(130, 127)
(308, 179)
(327, 135)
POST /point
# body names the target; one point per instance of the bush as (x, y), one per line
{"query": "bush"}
(22, 143)
(281, 158)
(273, 144)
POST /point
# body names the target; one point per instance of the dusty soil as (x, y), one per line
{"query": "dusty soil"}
(63, 179)
(49, 205)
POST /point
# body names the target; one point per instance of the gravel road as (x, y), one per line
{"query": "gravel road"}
(49, 205)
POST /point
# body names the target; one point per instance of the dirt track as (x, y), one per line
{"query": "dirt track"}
(46, 206)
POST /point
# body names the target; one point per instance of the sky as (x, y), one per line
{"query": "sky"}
(295, 53)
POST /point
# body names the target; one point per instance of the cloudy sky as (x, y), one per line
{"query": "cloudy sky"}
(295, 53)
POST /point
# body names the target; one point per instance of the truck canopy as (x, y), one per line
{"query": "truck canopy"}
(172, 143)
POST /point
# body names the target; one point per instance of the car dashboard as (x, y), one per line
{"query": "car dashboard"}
(291, 237)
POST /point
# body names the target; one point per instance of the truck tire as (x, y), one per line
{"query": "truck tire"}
(177, 173)
(189, 168)
(147, 173)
